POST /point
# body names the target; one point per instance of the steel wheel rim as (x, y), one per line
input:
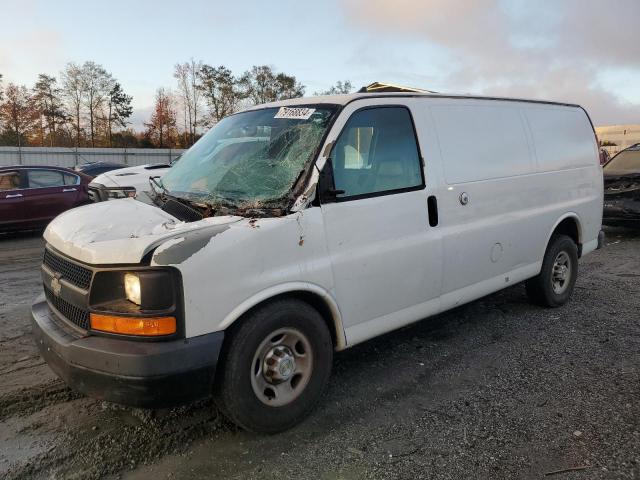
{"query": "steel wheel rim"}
(281, 367)
(561, 273)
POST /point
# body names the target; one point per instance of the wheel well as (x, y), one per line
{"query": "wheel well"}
(312, 299)
(569, 227)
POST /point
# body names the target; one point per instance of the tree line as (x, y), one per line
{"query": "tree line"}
(86, 106)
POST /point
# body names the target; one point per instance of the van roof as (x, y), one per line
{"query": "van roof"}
(344, 99)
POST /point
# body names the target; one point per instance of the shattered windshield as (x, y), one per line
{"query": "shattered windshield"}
(250, 159)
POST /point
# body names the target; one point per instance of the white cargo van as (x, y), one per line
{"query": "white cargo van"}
(303, 227)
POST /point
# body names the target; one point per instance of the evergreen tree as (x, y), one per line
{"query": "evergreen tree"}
(119, 109)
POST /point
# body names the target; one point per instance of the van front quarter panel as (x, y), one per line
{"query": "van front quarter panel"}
(226, 272)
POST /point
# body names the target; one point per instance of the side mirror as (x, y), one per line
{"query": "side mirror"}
(327, 192)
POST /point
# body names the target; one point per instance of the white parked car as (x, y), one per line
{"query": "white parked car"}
(125, 182)
(303, 227)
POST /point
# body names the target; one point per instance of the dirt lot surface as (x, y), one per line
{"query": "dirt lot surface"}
(495, 389)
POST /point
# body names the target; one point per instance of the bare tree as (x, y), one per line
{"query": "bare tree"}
(190, 93)
(181, 74)
(337, 89)
(73, 89)
(97, 83)
(17, 113)
(1, 96)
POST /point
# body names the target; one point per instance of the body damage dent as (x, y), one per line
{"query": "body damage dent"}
(176, 251)
(121, 231)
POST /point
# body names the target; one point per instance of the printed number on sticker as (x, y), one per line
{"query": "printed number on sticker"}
(297, 113)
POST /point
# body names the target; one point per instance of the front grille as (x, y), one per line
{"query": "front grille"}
(74, 314)
(76, 274)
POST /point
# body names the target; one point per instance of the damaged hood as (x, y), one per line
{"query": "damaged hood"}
(120, 231)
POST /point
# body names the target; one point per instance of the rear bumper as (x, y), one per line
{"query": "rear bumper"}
(141, 374)
(621, 211)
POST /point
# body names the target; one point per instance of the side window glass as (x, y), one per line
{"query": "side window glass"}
(44, 178)
(377, 152)
(70, 179)
(9, 181)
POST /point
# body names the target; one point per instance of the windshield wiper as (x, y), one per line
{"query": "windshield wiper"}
(220, 200)
(153, 181)
(165, 193)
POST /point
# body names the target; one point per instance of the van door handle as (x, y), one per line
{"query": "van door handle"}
(64, 190)
(13, 195)
(432, 210)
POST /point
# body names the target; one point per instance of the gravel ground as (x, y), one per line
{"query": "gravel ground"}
(495, 389)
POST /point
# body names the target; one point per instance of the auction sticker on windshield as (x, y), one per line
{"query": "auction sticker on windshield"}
(296, 113)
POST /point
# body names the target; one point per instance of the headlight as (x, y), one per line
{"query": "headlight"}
(138, 301)
(132, 288)
(121, 192)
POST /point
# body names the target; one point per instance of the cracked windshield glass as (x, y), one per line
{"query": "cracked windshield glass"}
(251, 159)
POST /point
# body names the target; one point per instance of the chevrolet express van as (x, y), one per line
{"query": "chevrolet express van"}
(299, 228)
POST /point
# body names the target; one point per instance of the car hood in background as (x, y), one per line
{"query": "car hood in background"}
(137, 177)
(120, 231)
(622, 184)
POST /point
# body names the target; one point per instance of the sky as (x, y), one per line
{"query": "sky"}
(578, 51)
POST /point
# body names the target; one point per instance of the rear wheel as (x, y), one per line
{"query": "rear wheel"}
(554, 285)
(275, 365)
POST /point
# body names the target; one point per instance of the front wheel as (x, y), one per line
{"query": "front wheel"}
(554, 285)
(275, 365)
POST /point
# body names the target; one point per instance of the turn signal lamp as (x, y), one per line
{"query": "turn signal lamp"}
(144, 326)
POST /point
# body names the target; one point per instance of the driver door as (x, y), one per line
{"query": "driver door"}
(386, 259)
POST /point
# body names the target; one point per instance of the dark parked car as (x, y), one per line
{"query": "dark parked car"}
(622, 188)
(31, 196)
(94, 169)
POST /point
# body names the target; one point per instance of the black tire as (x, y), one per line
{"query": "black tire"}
(540, 288)
(234, 389)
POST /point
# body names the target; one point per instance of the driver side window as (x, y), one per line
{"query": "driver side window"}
(377, 152)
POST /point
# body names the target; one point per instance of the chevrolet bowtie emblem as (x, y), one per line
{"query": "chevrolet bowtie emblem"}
(56, 286)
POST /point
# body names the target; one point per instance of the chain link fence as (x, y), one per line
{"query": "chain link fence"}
(70, 157)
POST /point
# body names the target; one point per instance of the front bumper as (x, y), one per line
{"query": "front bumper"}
(136, 373)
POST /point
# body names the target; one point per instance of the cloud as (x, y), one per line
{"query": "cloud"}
(25, 54)
(544, 49)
